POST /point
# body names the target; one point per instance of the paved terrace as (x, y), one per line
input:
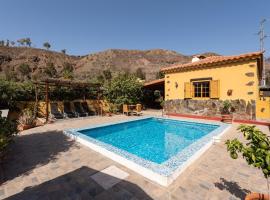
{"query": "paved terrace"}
(45, 164)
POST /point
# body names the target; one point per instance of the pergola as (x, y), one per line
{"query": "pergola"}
(65, 83)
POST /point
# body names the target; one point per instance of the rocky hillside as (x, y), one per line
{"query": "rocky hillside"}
(34, 62)
(20, 63)
(150, 61)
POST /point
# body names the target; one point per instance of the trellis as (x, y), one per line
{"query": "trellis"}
(50, 82)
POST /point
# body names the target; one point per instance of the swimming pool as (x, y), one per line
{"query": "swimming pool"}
(157, 148)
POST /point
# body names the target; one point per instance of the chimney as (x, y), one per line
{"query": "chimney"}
(197, 58)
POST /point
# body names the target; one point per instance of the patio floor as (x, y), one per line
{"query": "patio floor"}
(45, 164)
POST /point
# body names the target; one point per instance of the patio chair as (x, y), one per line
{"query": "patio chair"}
(86, 108)
(55, 112)
(68, 111)
(126, 109)
(138, 110)
(78, 110)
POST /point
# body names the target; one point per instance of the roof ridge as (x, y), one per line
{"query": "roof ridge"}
(211, 60)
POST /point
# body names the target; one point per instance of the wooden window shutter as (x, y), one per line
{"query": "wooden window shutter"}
(188, 90)
(214, 89)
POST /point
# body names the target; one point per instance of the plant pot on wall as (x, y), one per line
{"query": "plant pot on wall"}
(226, 115)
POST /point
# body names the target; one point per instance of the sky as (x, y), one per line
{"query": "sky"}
(189, 27)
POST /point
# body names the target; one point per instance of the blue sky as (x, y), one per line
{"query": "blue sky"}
(86, 26)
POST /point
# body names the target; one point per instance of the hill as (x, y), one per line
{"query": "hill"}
(20, 63)
(150, 61)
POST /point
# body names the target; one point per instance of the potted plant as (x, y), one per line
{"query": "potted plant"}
(26, 120)
(226, 115)
(256, 152)
(162, 106)
(110, 110)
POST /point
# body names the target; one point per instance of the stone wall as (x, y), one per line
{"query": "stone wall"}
(240, 108)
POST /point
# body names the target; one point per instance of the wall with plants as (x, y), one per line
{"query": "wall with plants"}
(12, 92)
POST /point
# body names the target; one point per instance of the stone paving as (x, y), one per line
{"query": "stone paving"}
(45, 164)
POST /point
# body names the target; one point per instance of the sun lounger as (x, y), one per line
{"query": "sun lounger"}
(55, 112)
(86, 108)
(78, 110)
(68, 111)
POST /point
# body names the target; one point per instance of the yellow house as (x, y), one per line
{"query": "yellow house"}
(205, 82)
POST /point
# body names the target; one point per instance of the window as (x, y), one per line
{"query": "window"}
(201, 89)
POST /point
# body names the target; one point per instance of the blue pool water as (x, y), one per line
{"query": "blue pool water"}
(153, 139)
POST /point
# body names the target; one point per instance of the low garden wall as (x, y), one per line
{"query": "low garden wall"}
(95, 105)
(240, 108)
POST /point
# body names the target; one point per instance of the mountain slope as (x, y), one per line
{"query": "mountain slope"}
(149, 61)
(11, 58)
(89, 66)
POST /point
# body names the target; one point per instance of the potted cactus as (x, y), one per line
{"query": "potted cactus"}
(226, 115)
(256, 152)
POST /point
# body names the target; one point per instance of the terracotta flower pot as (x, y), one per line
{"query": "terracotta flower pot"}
(257, 196)
(226, 118)
(24, 127)
(109, 114)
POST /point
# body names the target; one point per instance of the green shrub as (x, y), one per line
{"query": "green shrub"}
(10, 92)
(50, 70)
(7, 130)
(24, 69)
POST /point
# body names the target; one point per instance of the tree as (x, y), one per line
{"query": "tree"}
(64, 51)
(12, 43)
(7, 43)
(123, 89)
(107, 74)
(10, 74)
(50, 70)
(24, 70)
(21, 41)
(67, 74)
(2, 43)
(68, 67)
(140, 74)
(47, 45)
(100, 79)
(28, 42)
(67, 71)
(160, 75)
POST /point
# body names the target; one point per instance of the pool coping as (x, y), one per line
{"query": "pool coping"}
(164, 173)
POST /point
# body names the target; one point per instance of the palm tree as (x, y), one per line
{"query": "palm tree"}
(46, 45)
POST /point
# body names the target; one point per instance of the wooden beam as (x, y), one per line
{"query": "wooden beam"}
(36, 102)
(47, 101)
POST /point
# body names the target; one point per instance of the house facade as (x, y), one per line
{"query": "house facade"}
(201, 86)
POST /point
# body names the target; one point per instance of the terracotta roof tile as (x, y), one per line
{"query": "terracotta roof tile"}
(212, 60)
